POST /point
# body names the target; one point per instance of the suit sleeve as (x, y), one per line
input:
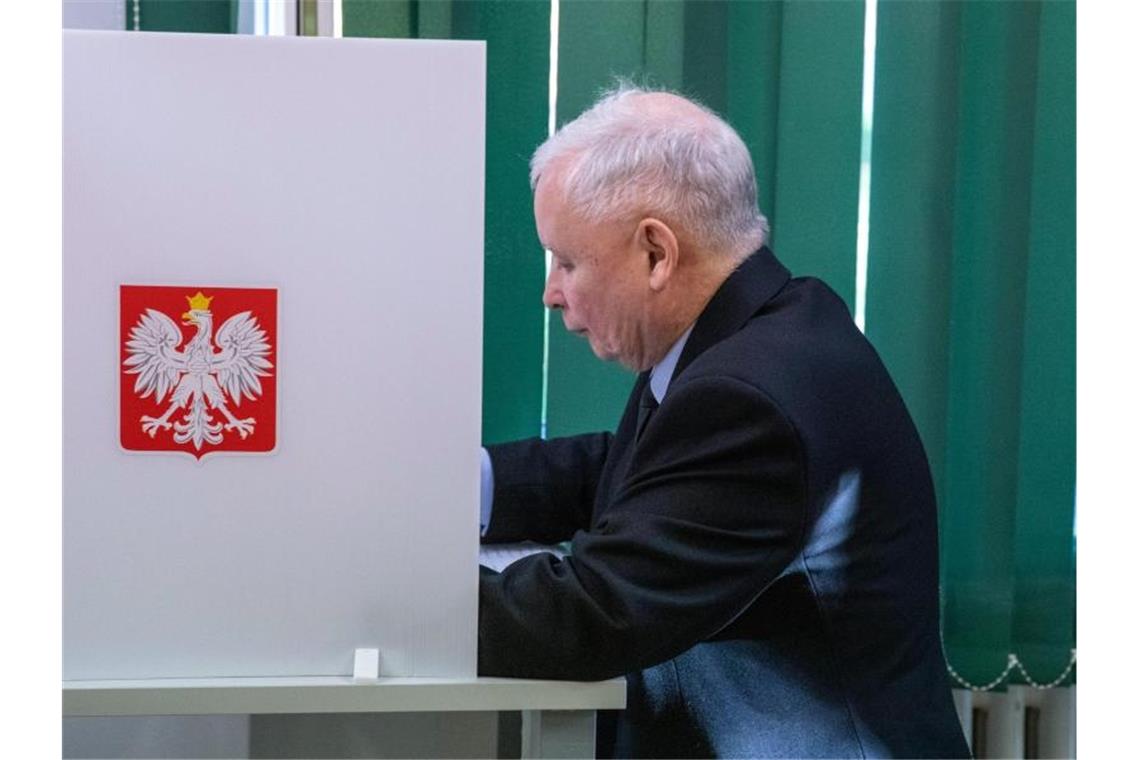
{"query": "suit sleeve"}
(545, 490)
(711, 512)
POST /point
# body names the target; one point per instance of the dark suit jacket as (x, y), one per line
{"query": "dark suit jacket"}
(761, 563)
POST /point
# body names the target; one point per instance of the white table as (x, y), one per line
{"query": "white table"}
(558, 716)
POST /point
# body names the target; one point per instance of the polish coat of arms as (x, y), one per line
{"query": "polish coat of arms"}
(204, 383)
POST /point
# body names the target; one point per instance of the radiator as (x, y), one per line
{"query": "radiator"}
(1019, 722)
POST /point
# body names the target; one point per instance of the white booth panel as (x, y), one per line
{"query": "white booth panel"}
(345, 176)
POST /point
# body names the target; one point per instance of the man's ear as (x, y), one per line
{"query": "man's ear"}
(659, 245)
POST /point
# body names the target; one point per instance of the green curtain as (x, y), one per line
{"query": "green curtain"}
(971, 302)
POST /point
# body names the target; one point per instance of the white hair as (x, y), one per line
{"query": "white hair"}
(693, 172)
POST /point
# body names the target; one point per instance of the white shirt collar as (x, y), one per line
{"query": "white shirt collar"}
(662, 372)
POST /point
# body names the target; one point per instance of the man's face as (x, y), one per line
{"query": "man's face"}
(598, 279)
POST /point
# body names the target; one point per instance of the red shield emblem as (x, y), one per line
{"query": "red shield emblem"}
(198, 369)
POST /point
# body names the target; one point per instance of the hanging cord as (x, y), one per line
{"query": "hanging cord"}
(135, 13)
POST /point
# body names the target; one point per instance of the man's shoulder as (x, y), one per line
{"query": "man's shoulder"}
(805, 323)
(800, 349)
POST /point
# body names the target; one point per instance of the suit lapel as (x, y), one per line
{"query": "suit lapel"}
(621, 449)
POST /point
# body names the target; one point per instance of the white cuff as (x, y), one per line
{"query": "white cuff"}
(486, 492)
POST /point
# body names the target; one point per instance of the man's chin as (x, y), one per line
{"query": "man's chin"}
(599, 350)
(602, 352)
(609, 355)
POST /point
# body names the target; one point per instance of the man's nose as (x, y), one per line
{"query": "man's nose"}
(552, 294)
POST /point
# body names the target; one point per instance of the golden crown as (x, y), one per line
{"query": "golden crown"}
(199, 302)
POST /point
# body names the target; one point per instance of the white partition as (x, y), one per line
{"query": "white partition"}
(345, 176)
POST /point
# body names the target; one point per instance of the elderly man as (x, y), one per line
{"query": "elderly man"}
(756, 547)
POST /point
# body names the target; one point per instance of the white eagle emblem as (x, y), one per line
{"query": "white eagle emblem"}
(200, 375)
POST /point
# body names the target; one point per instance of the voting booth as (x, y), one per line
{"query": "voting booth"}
(272, 355)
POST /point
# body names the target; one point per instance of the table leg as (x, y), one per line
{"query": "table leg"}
(558, 733)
